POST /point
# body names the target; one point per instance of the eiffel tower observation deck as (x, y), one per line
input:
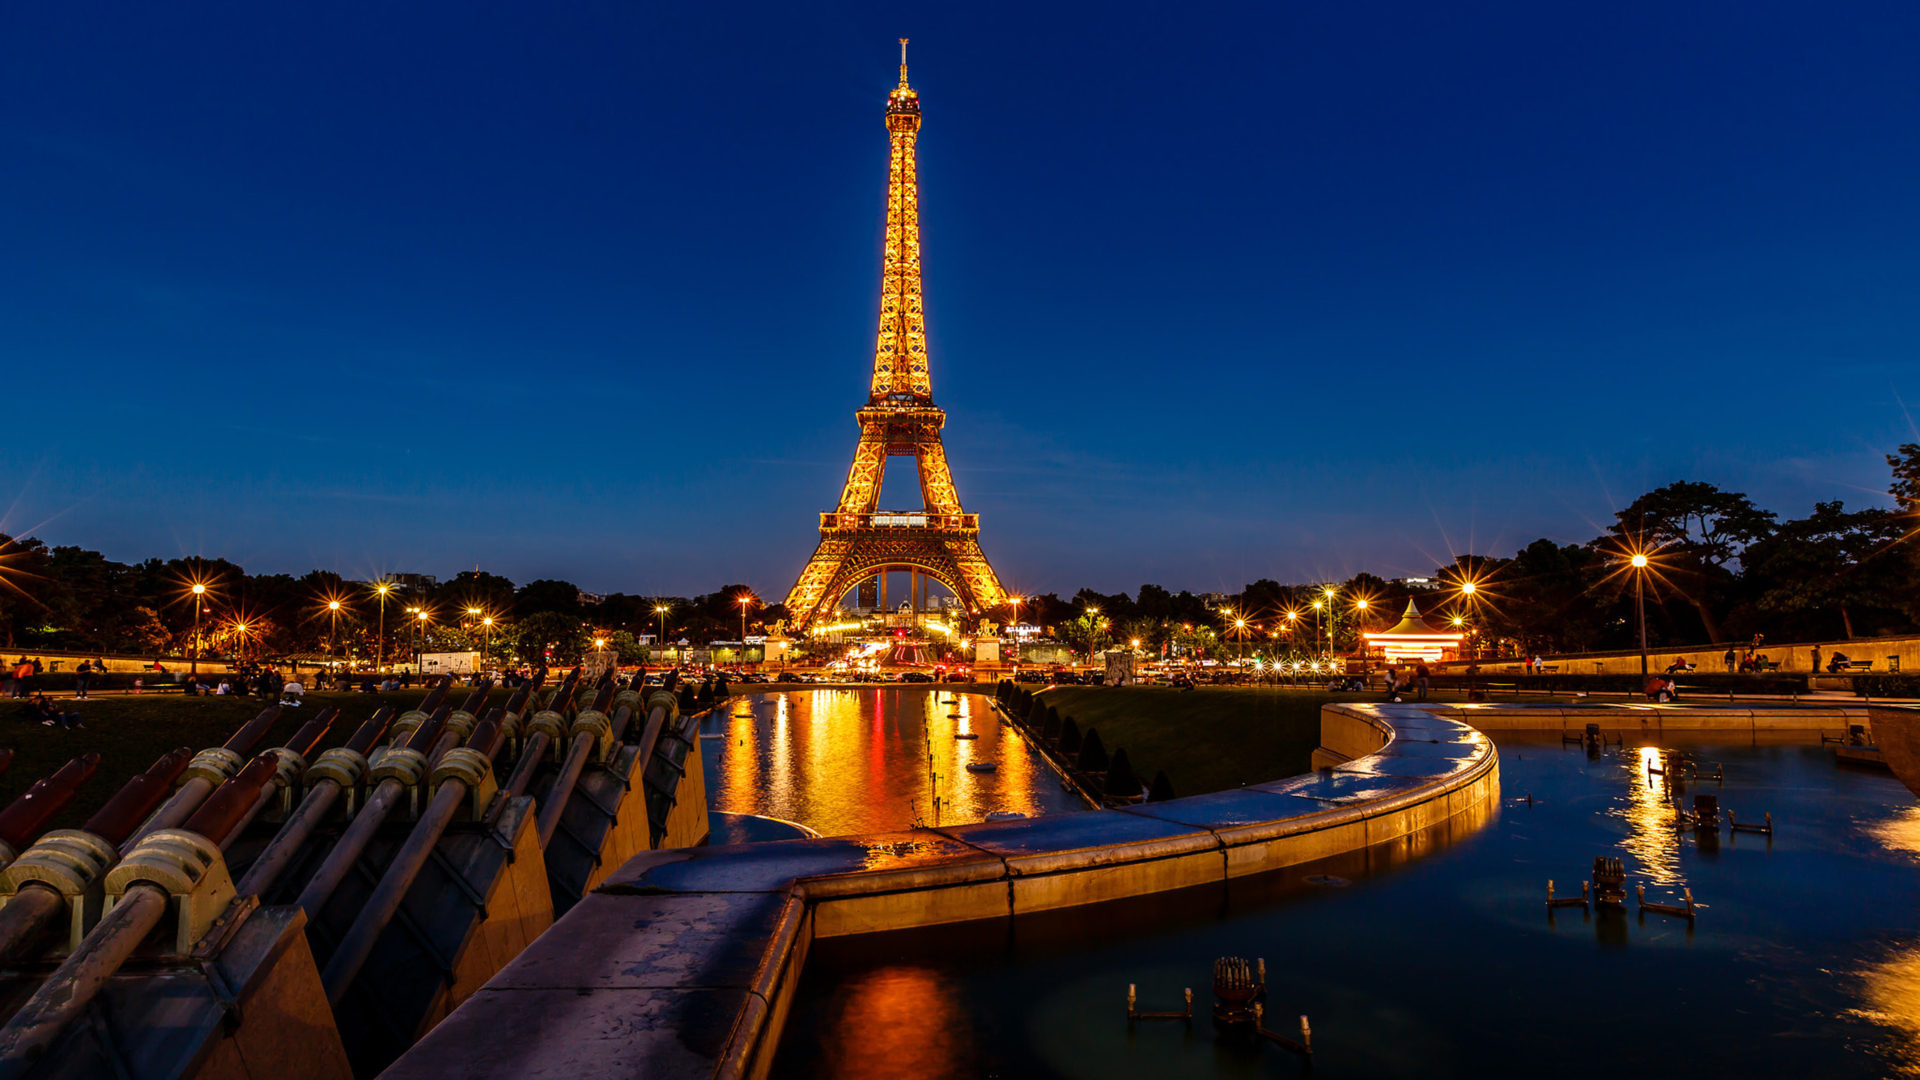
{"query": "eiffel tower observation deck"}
(859, 540)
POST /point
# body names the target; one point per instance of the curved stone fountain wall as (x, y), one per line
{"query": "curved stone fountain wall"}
(683, 962)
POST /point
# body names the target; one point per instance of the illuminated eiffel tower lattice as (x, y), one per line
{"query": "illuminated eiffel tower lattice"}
(859, 540)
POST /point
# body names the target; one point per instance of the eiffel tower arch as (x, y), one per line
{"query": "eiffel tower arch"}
(858, 539)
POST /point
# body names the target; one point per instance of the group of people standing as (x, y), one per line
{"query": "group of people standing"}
(1413, 678)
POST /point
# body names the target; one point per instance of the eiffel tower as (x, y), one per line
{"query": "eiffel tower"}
(859, 540)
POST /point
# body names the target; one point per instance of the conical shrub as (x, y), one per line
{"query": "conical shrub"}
(1036, 715)
(1120, 778)
(1161, 790)
(1069, 736)
(1093, 754)
(1050, 724)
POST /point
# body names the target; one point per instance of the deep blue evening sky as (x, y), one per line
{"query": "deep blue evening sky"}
(1215, 293)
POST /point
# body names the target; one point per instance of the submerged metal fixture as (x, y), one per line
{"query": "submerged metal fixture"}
(1609, 881)
(1302, 1046)
(1236, 988)
(1586, 891)
(1683, 911)
(1736, 826)
(1704, 815)
(1172, 1014)
(1592, 739)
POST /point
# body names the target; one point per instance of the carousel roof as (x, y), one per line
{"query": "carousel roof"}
(1414, 626)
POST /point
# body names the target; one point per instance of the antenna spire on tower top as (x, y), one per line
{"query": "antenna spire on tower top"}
(903, 61)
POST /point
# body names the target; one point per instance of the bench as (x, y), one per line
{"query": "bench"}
(1859, 665)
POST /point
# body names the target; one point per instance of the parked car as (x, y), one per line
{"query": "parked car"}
(915, 676)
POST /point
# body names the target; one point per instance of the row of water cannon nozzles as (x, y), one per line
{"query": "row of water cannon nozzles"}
(155, 850)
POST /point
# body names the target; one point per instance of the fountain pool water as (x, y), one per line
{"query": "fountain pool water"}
(1438, 957)
(872, 760)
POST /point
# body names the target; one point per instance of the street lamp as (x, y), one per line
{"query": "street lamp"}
(1240, 625)
(199, 592)
(486, 648)
(745, 600)
(420, 640)
(661, 611)
(380, 642)
(1639, 564)
(333, 632)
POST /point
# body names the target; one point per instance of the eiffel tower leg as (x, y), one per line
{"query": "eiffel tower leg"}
(862, 493)
(810, 594)
(936, 482)
(980, 588)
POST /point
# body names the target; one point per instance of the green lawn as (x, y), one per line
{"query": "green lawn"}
(1207, 739)
(130, 732)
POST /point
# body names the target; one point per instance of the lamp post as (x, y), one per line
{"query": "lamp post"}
(1639, 563)
(333, 630)
(420, 639)
(486, 647)
(1320, 628)
(745, 601)
(661, 611)
(1359, 628)
(1240, 628)
(380, 641)
(1467, 592)
(199, 593)
(413, 633)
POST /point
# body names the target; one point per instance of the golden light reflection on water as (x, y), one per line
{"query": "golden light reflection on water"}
(1900, 832)
(875, 760)
(1651, 839)
(1890, 992)
(900, 1021)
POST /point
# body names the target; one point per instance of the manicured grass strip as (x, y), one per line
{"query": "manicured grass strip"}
(1208, 739)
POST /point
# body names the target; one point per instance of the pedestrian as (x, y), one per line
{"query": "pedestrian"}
(1730, 658)
(1816, 659)
(23, 677)
(81, 675)
(1420, 680)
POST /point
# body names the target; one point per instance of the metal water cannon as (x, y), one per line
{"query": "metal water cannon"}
(23, 818)
(291, 763)
(463, 777)
(335, 773)
(206, 771)
(404, 726)
(341, 769)
(169, 873)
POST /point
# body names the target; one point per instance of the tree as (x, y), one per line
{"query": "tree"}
(627, 647)
(547, 595)
(1905, 490)
(1833, 563)
(491, 593)
(565, 635)
(1696, 530)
